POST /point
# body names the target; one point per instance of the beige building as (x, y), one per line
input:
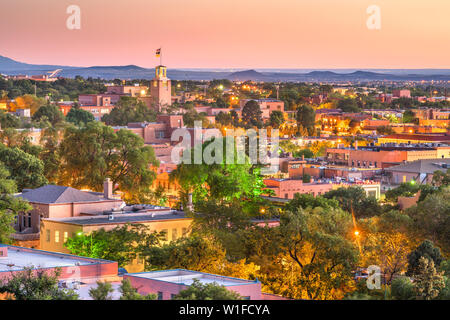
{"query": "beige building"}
(56, 231)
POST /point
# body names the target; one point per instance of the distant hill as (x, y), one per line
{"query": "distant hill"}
(12, 67)
(247, 75)
(16, 67)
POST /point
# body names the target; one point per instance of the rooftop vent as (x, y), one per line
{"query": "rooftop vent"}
(110, 217)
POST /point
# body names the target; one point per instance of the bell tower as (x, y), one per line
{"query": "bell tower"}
(161, 89)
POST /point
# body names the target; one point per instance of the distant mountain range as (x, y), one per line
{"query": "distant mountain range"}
(11, 67)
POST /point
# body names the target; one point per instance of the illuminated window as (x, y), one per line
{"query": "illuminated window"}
(56, 236)
(66, 235)
(47, 238)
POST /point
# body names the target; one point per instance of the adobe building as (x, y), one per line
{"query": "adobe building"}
(161, 89)
(55, 231)
(415, 138)
(385, 155)
(287, 188)
(15, 259)
(155, 132)
(168, 283)
(132, 91)
(419, 171)
(267, 106)
(53, 201)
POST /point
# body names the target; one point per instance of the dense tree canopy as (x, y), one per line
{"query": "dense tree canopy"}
(251, 114)
(95, 152)
(129, 109)
(79, 116)
(306, 118)
(206, 291)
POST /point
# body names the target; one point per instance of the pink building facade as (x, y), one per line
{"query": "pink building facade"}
(168, 283)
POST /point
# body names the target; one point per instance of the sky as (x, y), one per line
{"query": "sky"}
(229, 33)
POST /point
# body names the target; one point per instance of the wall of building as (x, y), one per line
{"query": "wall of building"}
(148, 286)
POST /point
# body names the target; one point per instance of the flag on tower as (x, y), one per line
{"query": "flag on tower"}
(158, 52)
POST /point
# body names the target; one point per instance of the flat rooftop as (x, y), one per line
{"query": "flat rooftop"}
(19, 258)
(186, 277)
(119, 218)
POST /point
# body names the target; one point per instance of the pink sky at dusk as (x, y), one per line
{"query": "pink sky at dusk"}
(229, 33)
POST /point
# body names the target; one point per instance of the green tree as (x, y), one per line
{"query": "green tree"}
(305, 200)
(425, 250)
(428, 283)
(92, 153)
(306, 118)
(206, 291)
(129, 109)
(221, 181)
(26, 169)
(409, 189)
(36, 284)
(224, 118)
(307, 153)
(191, 116)
(441, 179)
(49, 113)
(8, 120)
(130, 293)
(408, 116)
(121, 244)
(348, 105)
(402, 288)
(355, 201)
(431, 218)
(316, 241)
(276, 119)
(103, 291)
(192, 253)
(79, 116)
(10, 206)
(49, 154)
(251, 114)
(306, 178)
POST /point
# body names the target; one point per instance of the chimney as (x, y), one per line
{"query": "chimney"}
(356, 144)
(108, 188)
(303, 157)
(190, 205)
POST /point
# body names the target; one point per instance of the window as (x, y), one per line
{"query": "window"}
(56, 236)
(47, 238)
(160, 134)
(246, 298)
(160, 295)
(165, 234)
(174, 234)
(66, 235)
(29, 220)
(172, 296)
